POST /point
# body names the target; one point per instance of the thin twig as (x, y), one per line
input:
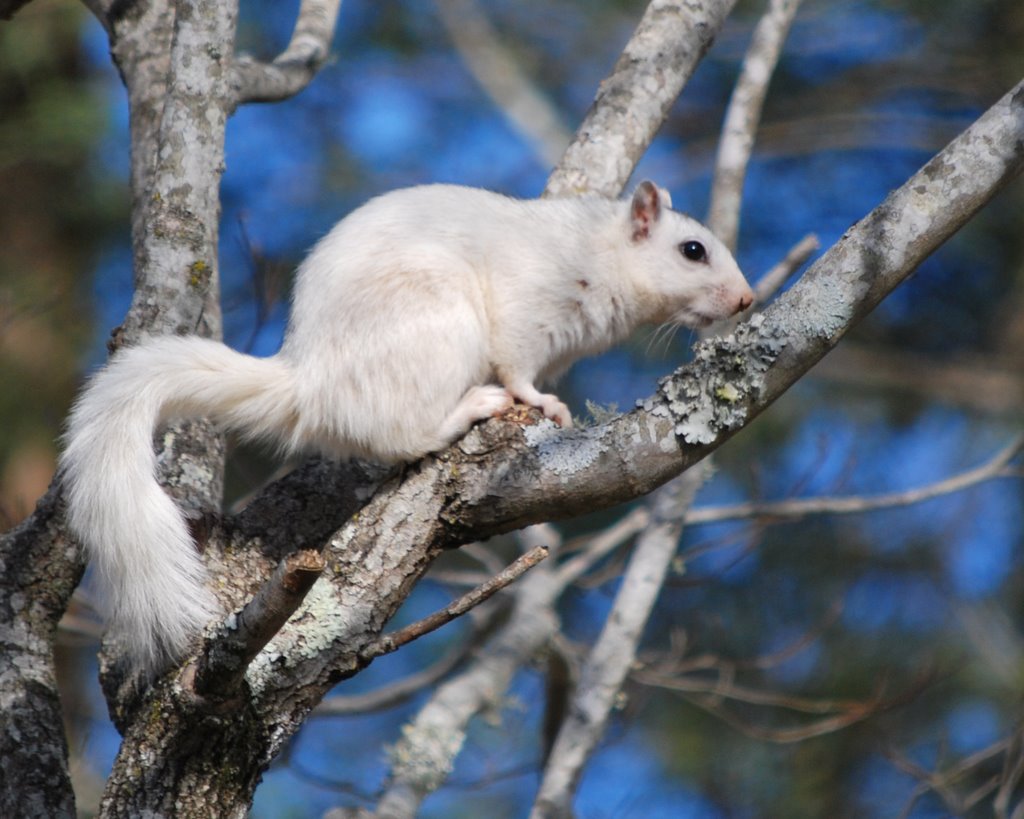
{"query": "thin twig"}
(942, 782)
(388, 696)
(771, 282)
(996, 467)
(981, 792)
(1013, 769)
(387, 643)
(773, 512)
(724, 688)
(781, 736)
(675, 662)
(710, 696)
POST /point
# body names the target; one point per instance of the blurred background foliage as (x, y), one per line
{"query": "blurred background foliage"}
(920, 607)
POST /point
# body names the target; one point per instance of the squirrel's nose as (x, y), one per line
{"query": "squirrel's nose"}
(746, 299)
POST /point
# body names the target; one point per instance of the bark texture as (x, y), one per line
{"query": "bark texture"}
(39, 570)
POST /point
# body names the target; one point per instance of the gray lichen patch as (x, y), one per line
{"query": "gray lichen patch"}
(563, 452)
(714, 391)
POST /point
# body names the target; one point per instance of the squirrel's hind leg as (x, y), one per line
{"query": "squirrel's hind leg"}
(479, 403)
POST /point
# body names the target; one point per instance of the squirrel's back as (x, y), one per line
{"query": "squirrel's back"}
(395, 311)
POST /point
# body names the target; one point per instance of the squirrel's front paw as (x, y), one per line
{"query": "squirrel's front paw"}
(556, 411)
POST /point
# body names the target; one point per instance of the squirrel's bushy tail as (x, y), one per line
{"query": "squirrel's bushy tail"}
(149, 573)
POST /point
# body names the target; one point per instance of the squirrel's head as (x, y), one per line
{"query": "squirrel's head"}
(691, 277)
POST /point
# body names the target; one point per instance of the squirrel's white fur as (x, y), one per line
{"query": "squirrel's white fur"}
(423, 311)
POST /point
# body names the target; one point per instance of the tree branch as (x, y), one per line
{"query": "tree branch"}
(395, 640)
(295, 67)
(734, 379)
(615, 650)
(981, 385)
(227, 655)
(501, 77)
(797, 508)
(944, 783)
(39, 570)
(743, 116)
(634, 100)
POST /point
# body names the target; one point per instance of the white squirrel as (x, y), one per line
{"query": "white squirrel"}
(420, 313)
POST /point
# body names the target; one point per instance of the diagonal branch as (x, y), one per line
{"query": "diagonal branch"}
(557, 474)
(222, 666)
(395, 640)
(615, 650)
(501, 77)
(634, 100)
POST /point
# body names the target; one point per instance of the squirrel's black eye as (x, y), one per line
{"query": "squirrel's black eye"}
(694, 251)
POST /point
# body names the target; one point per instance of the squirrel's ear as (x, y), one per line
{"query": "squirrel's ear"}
(645, 209)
